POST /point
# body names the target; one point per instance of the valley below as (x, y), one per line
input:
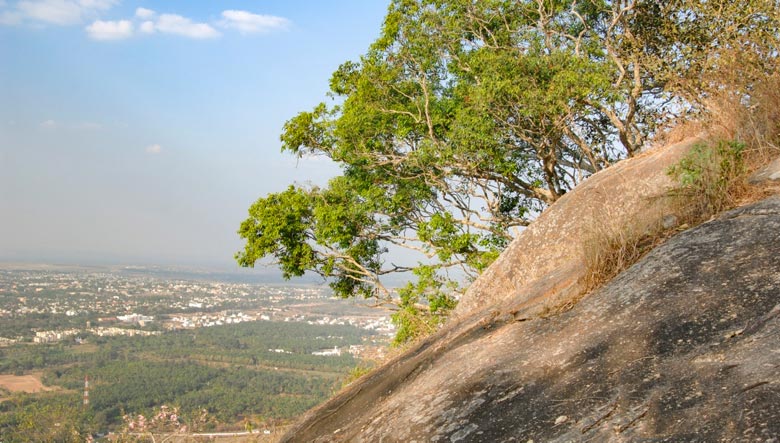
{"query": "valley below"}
(121, 351)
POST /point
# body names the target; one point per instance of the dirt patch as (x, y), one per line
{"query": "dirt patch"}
(23, 383)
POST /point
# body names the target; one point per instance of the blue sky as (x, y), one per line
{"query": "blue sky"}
(141, 131)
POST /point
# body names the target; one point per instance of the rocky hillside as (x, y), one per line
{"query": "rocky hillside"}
(682, 346)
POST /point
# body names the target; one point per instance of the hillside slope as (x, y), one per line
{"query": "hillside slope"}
(681, 346)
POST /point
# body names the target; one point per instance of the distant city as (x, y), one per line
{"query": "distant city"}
(43, 304)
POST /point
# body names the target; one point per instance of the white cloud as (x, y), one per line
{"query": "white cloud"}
(247, 22)
(144, 21)
(62, 12)
(10, 17)
(88, 126)
(97, 4)
(51, 125)
(110, 30)
(176, 24)
(147, 27)
(144, 13)
(59, 12)
(153, 149)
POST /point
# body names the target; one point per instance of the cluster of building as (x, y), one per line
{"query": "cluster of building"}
(358, 351)
(83, 293)
(53, 336)
(207, 320)
(119, 301)
(328, 352)
(141, 320)
(112, 331)
(280, 351)
(379, 324)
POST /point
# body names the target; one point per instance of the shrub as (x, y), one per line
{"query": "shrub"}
(710, 179)
(355, 373)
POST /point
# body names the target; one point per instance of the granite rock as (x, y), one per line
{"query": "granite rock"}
(682, 346)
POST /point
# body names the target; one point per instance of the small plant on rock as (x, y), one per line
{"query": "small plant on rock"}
(710, 180)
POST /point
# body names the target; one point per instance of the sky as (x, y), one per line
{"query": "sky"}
(140, 132)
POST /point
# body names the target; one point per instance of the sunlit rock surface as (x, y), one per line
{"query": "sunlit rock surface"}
(683, 346)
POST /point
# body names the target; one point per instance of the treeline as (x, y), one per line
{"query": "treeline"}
(22, 358)
(244, 343)
(228, 393)
(21, 325)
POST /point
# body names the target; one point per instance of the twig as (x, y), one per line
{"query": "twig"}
(631, 423)
(600, 419)
(754, 385)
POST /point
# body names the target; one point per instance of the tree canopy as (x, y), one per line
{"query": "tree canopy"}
(465, 119)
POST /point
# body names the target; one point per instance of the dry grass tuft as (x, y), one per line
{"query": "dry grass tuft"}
(711, 179)
(750, 116)
(609, 250)
(743, 124)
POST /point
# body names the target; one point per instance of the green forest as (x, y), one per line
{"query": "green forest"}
(233, 372)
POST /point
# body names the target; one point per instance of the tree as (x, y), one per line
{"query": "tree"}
(465, 119)
(58, 420)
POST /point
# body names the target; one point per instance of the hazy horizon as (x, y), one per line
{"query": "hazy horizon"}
(139, 132)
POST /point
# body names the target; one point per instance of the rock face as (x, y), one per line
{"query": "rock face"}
(545, 263)
(683, 346)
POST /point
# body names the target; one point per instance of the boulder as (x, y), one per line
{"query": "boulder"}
(768, 173)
